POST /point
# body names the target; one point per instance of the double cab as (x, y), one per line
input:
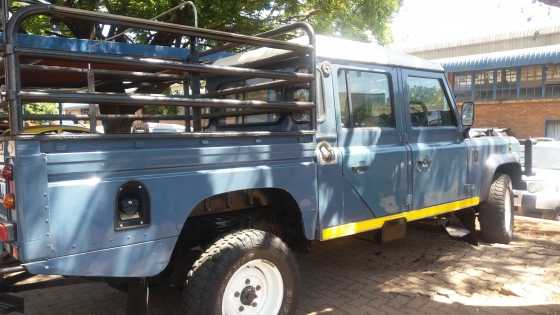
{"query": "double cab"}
(284, 143)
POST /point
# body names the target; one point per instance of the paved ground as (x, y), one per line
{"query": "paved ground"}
(428, 273)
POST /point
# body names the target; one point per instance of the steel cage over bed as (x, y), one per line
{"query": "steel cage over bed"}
(22, 59)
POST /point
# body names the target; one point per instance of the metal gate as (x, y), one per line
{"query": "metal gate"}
(552, 129)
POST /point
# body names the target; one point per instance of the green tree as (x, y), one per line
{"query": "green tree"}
(349, 18)
(358, 19)
(41, 108)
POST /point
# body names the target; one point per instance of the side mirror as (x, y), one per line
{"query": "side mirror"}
(467, 114)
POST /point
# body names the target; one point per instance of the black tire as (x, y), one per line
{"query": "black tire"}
(495, 226)
(210, 274)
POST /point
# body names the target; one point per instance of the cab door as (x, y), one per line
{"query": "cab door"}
(438, 165)
(370, 140)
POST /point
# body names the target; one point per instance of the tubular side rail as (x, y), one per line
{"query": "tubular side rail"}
(306, 27)
(54, 117)
(158, 71)
(161, 100)
(166, 64)
(57, 11)
(248, 88)
(112, 73)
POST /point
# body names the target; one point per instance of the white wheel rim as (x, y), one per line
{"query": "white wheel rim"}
(507, 211)
(256, 288)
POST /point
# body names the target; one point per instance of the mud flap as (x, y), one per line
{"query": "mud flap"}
(137, 297)
(393, 230)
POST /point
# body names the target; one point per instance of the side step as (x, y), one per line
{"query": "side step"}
(462, 225)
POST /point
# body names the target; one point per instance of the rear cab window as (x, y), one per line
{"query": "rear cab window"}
(365, 99)
(429, 105)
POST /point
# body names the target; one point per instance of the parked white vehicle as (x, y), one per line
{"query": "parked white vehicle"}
(152, 127)
(542, 196)
(488, 132)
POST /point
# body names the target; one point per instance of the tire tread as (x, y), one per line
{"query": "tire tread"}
(216, 261)
(492, 212)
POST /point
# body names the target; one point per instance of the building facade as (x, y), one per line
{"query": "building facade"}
(514, 82)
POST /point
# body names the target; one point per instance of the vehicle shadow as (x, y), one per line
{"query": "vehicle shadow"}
(426, 273)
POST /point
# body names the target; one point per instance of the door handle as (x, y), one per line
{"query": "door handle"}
(360, 169)
(423, 165)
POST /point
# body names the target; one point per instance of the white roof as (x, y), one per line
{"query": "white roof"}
(74, 105)
(334, 48)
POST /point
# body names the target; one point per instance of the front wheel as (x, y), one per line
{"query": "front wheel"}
(496, 213)
(249, 272)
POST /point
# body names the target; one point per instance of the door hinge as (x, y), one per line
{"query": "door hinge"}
(409, 200)
(469, 189)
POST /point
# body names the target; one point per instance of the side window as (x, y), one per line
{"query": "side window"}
(367, 97)
(428, 105)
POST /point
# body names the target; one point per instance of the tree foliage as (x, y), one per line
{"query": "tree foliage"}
(358, 19)
(41, 108)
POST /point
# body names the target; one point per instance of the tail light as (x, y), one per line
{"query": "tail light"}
(8, 172)
(6, 232)
(9, 201)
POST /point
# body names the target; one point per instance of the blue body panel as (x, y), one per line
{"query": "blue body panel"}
(77, 215)
(381, 189)
(486, 155)
(391, 155)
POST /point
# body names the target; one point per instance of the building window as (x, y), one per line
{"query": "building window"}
(506, 84)
(84, 111)
(531, 82)
(552, 83)
(552, 129)
(462, 86)
(484, 85)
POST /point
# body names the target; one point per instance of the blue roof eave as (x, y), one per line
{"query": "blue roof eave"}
(505, 59)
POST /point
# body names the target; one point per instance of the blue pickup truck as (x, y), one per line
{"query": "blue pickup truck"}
(286, 142)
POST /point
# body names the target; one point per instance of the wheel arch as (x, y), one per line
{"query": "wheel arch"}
(295, 229)
(502, 164)
(274, 201)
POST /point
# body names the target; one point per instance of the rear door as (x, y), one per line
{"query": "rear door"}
(370, 130)
(438, 151)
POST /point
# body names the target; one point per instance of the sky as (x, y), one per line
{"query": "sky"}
(428, 22)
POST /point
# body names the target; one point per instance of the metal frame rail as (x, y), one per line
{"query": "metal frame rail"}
(190, 71)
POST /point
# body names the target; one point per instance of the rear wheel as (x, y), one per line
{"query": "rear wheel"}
(250, 272)
(496, 213)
